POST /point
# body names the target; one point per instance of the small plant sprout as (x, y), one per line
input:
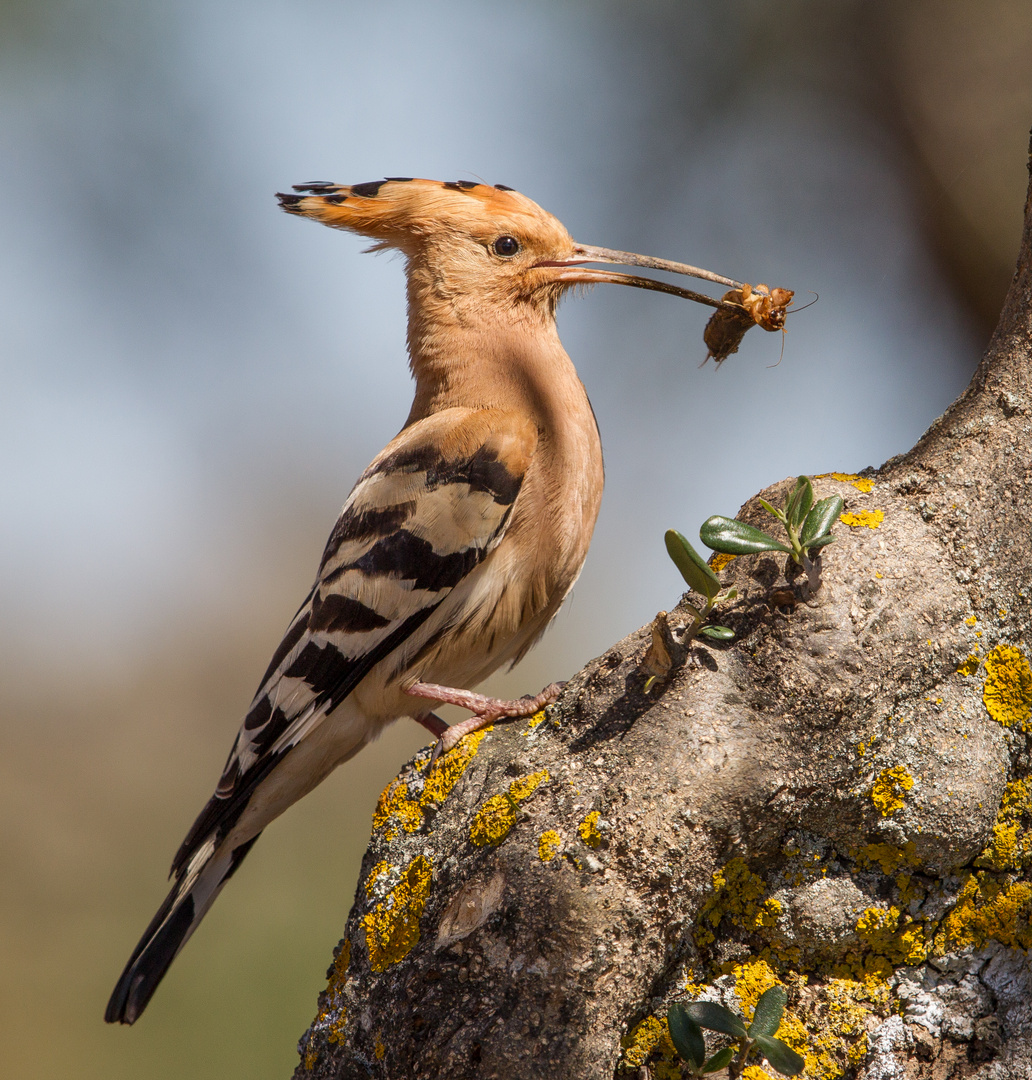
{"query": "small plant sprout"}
(701, 579)
(668, 649)
(686, 1035)
(807, 524)
(686, 1024)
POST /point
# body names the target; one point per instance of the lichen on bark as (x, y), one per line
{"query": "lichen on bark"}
(720, 833)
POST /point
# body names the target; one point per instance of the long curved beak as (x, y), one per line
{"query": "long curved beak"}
(740, 308)
(572, 271)
(587, 253)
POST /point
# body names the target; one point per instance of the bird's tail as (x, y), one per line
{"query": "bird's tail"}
(192, 895)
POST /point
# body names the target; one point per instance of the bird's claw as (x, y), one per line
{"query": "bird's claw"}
(486, 711)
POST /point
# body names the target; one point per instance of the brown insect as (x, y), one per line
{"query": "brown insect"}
(757, 305)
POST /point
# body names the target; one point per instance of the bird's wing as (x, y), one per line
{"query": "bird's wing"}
(424, 515)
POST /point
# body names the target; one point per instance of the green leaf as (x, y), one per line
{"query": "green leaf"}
(715, 1017)
(694, 568)
(718, 633)
(720, 1060)
(799, 502)
(772, 510)
(820, 520)
(821, 541)
(780, 1055)
(767, 1017)
(686, 1035)
(736, 538)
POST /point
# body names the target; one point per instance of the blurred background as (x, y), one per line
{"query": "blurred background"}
(191, 381)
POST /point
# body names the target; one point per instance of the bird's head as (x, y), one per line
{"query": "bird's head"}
(467, 244)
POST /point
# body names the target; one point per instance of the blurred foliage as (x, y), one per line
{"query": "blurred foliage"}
(959, 92)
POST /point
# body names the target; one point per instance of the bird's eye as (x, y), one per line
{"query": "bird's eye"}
(506, 246)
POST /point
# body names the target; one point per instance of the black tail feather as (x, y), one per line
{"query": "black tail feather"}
(175, 921)
(147, 966)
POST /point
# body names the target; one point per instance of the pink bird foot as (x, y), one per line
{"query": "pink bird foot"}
(486, 710)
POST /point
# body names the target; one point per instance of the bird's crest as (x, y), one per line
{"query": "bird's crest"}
(399, 211)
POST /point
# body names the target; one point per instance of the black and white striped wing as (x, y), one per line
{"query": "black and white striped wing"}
(426, 513)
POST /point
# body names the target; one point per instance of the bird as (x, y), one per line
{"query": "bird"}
(457, 545)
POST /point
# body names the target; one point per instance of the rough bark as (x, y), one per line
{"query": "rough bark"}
(828, 801)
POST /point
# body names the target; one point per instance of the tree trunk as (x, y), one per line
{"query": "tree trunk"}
(835, 801)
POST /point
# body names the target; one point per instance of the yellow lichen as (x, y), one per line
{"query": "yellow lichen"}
(445, 774)
(858, 1051)
(340, 965)
(395, 803)
(988, 908)
(311, 1059)
(493, 821)
(739, 895)
(870, 519)
(588, 830)
(818, 1062)
(535, 721)
(525, 786)
(890, 938)
(549, 843)
(889, 857)
(379, 1050)
(890, 788)
(380, 868)
(332, 1002)
(754, 1072)
(1011, 846)
(861, 483)
(752, 978)
(392, 927)
(1007, 693)
(971, 620)
(337, 1030)
(854, 1000)
(836, 1019)
(719, 560)
(969, 666)
(910, 889)
(649, 1042)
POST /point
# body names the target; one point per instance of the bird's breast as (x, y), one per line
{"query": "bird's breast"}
(508, 602)
(503, 605)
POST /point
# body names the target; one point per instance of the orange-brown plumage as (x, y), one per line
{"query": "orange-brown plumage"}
(401, 212)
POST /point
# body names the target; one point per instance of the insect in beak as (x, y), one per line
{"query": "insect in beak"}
(740, 308)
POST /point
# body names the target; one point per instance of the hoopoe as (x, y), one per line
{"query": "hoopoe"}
(457, 545)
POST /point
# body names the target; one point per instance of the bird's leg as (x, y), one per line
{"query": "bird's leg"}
(486, 710)
(433, 723)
